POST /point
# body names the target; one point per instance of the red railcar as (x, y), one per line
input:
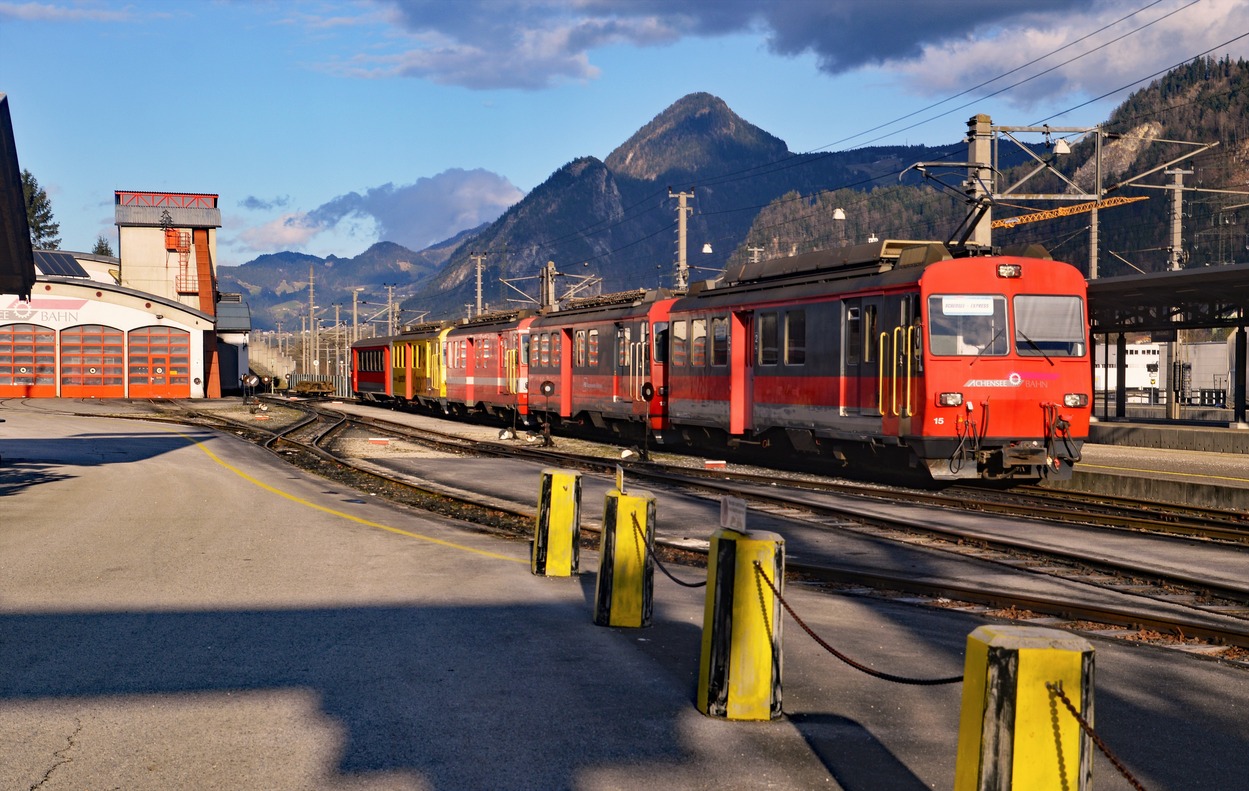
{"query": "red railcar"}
(371, 369)
(894, 354)
(602, 362)
(487, 364)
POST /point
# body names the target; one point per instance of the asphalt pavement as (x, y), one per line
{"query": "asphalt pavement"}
(180, 609)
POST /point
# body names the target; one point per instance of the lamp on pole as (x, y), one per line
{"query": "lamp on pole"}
(355, 313)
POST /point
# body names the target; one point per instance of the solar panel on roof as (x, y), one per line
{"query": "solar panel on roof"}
(54, 262)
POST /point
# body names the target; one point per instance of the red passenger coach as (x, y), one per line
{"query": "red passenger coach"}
(602, 362)
(892, 354)
(487, 364)
(371, 369)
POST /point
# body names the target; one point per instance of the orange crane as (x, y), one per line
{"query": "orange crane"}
(1063, 211)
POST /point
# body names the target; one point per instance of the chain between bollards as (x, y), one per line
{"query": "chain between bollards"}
(760, 573)
(1056, 690)
(651, 549)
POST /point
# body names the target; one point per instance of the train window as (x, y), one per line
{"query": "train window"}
(680, 345)
(370, 361)
(524, 347)
(698, 342)
(578, 349)
(623, 339)
(720, 341)
(555, 347)
(766, 339)
(967, 324)
(592, 349)
(795, 337)
(869, 333)
(1049, 325)
(661, 342)
(545, 354)
(854, 336)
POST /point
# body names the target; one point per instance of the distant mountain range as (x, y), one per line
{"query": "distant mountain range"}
(614, 219)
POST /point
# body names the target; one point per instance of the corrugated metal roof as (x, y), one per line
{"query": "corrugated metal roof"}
(150, 217)
(234, 317)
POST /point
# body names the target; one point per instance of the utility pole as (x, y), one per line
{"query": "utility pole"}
(338, 347)
(754, 254)
(683, 211)
(979, 185)
(547, 286)
(1175, 260)
(477, 259)
(390, 310)
(355, 313)
(1175, 253)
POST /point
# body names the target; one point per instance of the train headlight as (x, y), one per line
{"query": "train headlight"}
(1075, 400)
(949, 399)
(1009, 270)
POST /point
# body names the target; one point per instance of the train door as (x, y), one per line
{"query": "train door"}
(470, 371)
(860, 390)
(741, 371)
(505, 371)
(622, 387)
(655, 389)
(898, 364)
(561, 360)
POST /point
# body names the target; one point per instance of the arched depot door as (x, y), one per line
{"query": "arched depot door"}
(27, 361)
(92, 362)
(159, 365)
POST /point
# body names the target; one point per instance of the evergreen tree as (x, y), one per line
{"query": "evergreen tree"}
(102, 247)
(43, 230)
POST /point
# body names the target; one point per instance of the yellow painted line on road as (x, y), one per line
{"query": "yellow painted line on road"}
(1165, 472)
(343, 515)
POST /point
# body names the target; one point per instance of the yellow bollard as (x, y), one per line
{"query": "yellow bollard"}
(557, 533)
(739, 674)
(626, 574)
(1014, 733)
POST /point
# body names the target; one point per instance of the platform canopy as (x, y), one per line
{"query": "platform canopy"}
(17, 262)
(1215, 296)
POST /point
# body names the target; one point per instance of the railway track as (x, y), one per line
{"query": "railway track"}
(1164, 604)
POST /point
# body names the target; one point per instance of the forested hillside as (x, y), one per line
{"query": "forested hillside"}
(1205, 101)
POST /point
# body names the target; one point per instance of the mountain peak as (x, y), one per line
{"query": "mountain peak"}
(695, 132)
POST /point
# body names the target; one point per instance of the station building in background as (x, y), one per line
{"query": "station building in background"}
(149, 323)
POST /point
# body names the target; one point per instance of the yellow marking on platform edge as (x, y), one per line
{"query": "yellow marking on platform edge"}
(1166, 472)
(341, 514)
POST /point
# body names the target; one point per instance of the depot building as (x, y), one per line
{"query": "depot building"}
(149, 323)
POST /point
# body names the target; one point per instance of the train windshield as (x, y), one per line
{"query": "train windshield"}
(1049, 326)
(967, 324)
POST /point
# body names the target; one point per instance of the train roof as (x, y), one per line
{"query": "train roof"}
(854, 261)
(607, 306)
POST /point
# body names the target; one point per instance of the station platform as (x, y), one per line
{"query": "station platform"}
(181, 609)
(1188, 464)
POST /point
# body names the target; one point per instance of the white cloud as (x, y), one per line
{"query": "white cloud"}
(953, 66)
(52, 12)
(288, 232)
(932, 48)
(414, 215)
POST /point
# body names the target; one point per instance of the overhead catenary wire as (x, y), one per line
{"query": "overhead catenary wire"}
(797, 160)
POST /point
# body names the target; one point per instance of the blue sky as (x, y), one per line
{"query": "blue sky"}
(328, 125)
